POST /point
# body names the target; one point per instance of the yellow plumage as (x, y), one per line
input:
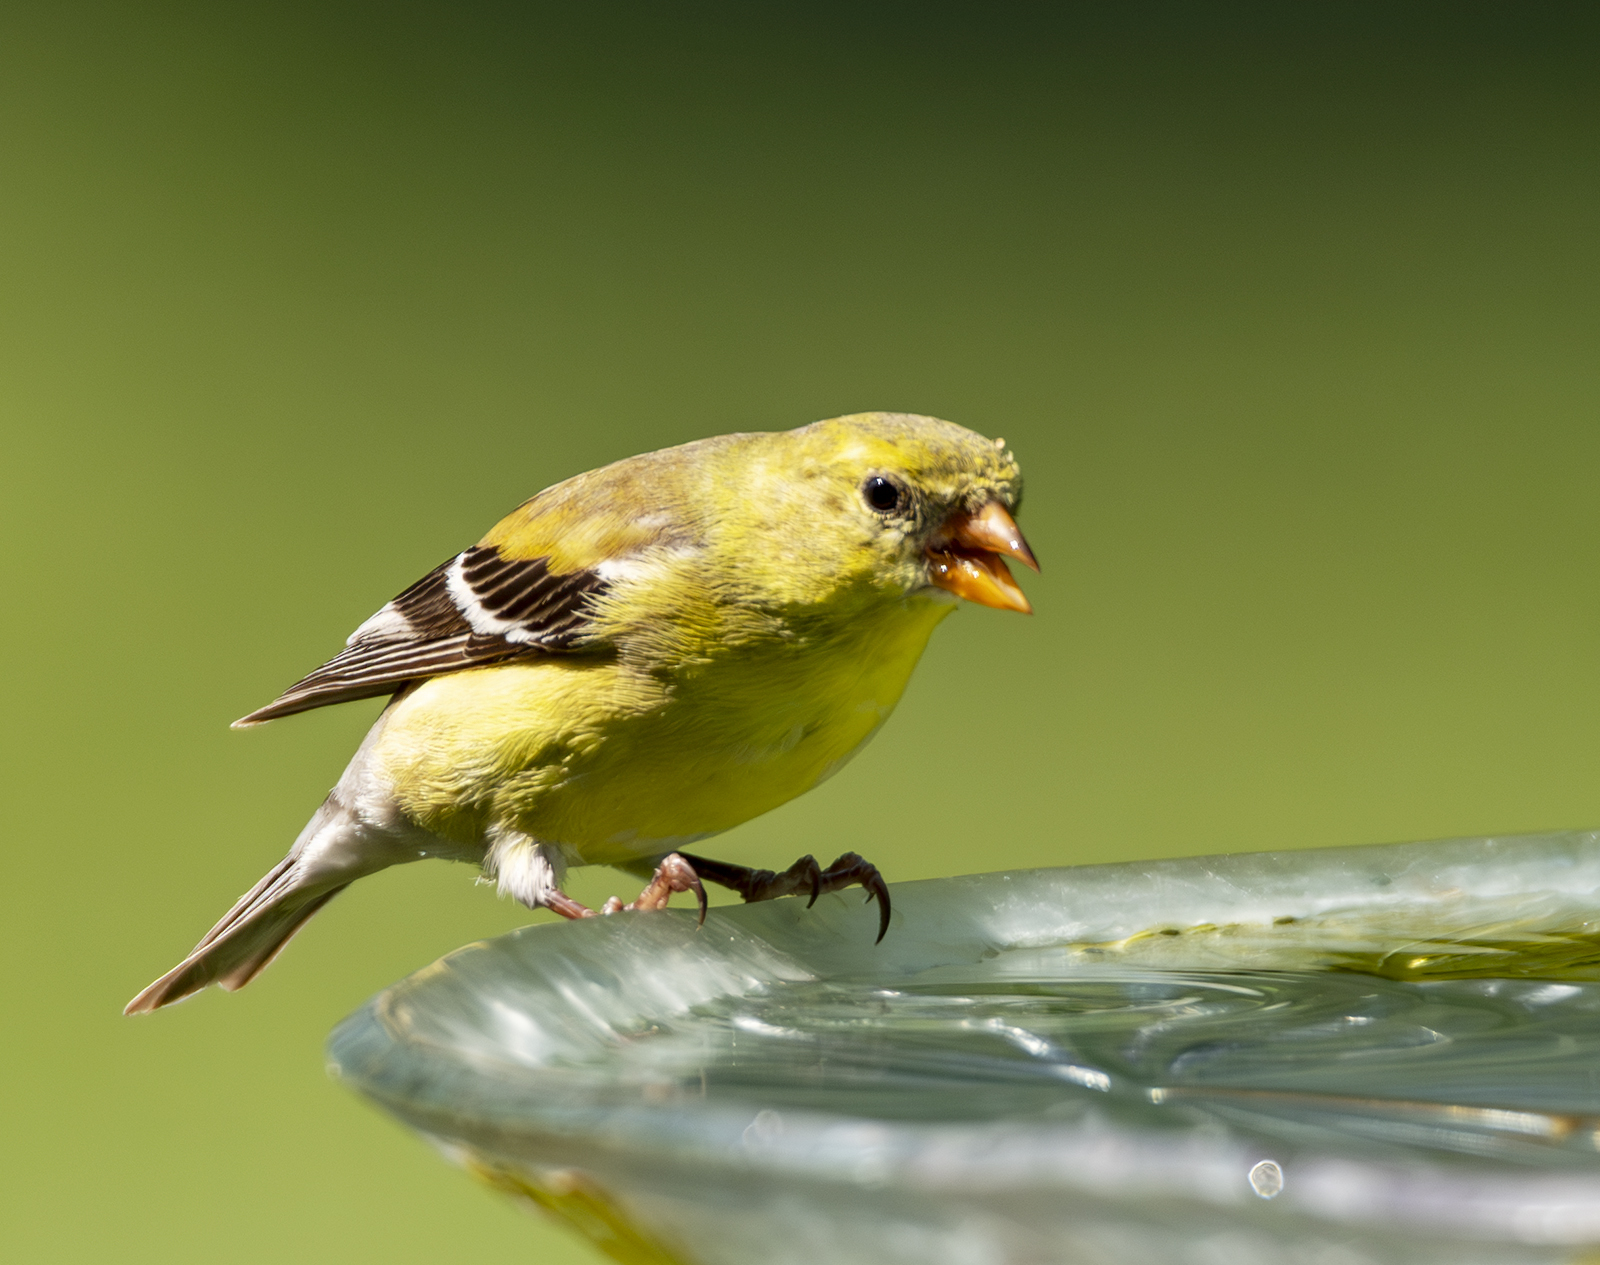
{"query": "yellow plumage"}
(641, 657)
(615, 762)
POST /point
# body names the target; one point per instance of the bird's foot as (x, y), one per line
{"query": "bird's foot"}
(673, 874)
(804, 876)
(561, 903)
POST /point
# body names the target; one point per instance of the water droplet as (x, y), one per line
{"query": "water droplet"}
(1266, 1179)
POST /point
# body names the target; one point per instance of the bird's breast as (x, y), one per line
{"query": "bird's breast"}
(618, 762)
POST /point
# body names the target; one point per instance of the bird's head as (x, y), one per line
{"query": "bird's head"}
(888, 503)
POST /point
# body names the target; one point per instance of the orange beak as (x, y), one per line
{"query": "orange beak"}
(967, 558)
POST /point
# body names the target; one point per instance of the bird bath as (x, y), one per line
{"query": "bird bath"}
(1334, 1057)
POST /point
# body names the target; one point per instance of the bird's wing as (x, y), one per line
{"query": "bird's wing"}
(531, 586)
(481, 607)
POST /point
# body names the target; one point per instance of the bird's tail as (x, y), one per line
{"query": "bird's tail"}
(323, 862)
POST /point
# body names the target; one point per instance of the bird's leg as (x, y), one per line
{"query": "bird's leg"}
(805, 875)
(530, 872)
(673, 874)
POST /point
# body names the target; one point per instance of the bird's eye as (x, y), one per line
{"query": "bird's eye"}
(881, 494)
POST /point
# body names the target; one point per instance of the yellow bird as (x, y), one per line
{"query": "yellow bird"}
(638, 658)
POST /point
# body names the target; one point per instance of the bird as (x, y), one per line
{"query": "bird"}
(639, 658)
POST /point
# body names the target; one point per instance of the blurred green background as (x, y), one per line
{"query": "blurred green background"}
(1289, 311)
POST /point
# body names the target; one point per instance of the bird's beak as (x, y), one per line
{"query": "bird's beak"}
(966, 558)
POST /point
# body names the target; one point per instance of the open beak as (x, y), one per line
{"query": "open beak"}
(966, 559)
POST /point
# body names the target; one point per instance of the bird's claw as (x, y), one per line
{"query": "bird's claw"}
(852, 868)
(673, 874)
(807, 868)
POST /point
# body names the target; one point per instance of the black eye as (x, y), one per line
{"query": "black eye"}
(881, 494)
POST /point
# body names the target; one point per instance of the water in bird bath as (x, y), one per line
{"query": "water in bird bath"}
(1344, 1056)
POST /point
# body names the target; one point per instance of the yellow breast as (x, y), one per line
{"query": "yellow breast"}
(617, 762)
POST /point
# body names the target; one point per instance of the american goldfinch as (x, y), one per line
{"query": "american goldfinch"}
(638, 658)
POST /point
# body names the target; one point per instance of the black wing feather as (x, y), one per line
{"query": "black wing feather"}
(517, 607)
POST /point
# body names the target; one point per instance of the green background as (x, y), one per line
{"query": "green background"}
(1289, 312)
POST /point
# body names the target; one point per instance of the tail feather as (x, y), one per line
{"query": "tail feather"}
(246, 903)
(250, 936)
(269, 949)
(333, 850)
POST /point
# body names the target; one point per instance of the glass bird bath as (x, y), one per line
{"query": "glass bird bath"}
(1385, 1054)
